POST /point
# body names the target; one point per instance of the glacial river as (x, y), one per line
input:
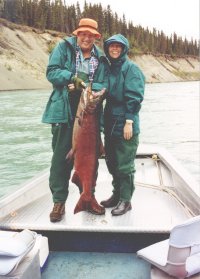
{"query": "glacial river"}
(169, 117)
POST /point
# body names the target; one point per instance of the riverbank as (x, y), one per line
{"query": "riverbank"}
(24, 53)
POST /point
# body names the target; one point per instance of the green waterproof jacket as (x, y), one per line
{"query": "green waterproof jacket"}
(125, 92)
(61, 68)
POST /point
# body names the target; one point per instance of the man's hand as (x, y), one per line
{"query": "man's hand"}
(128, 131)
(79, 84)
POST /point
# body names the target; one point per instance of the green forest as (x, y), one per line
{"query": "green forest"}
(59, 16)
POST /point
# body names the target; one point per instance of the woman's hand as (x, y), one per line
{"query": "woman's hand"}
(128, 131)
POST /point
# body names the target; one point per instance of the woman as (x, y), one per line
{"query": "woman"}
(121, 122)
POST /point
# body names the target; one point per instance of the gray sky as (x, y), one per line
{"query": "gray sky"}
(179, 16)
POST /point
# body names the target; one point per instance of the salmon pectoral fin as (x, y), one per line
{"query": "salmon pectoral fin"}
(83, 204)
(101, 150)
(76, 180)
(70, 155)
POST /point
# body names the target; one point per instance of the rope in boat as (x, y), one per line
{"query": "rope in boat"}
(165, 188)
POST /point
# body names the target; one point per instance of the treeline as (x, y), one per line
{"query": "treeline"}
(58, 15)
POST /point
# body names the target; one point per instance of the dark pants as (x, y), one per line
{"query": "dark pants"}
(60, 170)
(120, 157)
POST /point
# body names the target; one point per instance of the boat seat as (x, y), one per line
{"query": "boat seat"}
(14, 248)
(179, 255)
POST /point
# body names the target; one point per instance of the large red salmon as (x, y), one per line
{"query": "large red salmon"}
(86, 149)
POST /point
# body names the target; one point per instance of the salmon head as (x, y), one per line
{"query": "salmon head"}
(91, 99)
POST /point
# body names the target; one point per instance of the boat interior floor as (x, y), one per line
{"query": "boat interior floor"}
(155, 207)
(84, 265)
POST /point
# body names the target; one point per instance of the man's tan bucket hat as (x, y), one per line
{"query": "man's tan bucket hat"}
(88, 24)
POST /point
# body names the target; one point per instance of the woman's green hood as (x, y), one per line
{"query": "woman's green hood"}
(118, 38)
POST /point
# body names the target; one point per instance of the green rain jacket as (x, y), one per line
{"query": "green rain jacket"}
(125, 92)
(61, 68)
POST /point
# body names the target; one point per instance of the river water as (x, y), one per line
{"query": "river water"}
(169, 117)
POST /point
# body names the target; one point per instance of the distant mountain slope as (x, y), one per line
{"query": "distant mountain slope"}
(24, 57)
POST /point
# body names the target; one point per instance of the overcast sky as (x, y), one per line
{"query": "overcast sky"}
(179, 16)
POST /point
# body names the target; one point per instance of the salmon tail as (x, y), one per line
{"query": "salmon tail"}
(76, 180)
(70, 155)
(83, 204)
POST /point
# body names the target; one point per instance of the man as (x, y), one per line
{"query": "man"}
(73, 63)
